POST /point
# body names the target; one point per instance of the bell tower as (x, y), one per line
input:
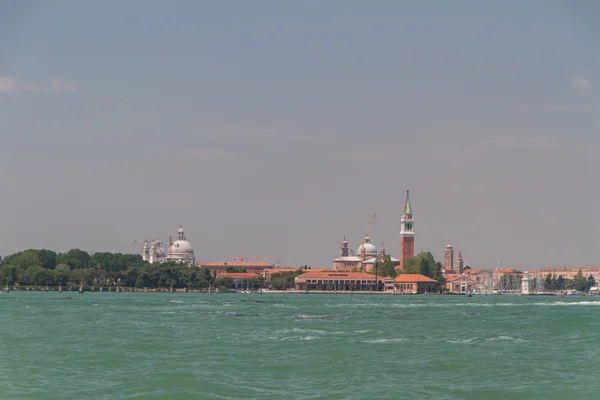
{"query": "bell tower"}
(344, 248)
(407, 233)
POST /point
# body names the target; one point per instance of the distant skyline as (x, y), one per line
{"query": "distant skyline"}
(274, 129)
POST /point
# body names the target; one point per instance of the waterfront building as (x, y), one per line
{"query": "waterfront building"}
(483, 278)
(242, 280)
(459, 283)
(414, 283)
(217, 267)
(269, 273)
(181, 251)
(407, 233)
(341, 281)
(566, 272)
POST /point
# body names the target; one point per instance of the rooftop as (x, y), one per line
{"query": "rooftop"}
(411, 278)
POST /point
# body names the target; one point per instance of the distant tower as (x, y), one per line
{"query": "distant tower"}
(344, 248)
(525, 284)
(146, 251)
(407, 233)
(449, 257)
(459, 263)
(382, 251)
(180, 233)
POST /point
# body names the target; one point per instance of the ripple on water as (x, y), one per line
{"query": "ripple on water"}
(104, 346)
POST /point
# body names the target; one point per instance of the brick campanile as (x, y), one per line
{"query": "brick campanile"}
(407, 233)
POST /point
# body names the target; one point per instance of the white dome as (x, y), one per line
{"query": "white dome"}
(369, 247)
(181, 247)
(181, 251)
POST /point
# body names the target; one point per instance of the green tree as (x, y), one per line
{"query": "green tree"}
(424, 264)
(579, 282)
(385, 267)
(47, 258)
(590, 282)
(62, 272)
(24, 259)
(75, 258)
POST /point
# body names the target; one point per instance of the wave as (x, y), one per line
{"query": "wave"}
(389, 340)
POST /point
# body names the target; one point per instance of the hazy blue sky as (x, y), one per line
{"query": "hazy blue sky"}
(274, 128)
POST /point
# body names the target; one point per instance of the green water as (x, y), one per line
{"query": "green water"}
(246, 346)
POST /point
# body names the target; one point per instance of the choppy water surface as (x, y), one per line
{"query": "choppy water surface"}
(234, 346)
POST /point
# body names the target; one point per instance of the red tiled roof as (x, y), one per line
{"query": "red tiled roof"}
(311, 274)
(234, 264)
(507, 271)
(410, 278)
(586, 267)
(454, 277)
(291, 269)
(238, 275)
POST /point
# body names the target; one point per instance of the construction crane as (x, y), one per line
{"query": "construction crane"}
(368, 230)
(371, 222)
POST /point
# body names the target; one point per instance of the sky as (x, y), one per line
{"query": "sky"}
(273, 129)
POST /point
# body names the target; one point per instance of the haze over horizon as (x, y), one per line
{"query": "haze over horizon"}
(273, 129)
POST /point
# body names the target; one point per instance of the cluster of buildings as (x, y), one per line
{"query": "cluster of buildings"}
(350, 272)
(355, 271)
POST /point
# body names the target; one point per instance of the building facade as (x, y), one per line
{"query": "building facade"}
(414, 284)
(340, 281)
(365, 259)
(459, 283)
(218, 267)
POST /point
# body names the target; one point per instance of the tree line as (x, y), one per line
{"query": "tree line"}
(47, 268)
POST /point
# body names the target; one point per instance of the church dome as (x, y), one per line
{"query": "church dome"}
(370, 249)
(181, 247)
(181, 250)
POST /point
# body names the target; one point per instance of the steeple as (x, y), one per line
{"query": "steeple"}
(344, 248)
(407, 233)
(407, 207)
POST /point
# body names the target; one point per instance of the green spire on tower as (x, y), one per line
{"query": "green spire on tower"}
(407, 208)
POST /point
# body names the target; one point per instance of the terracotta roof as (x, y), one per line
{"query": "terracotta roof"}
(339, 275)
(292, 269)
(474, 271)
(238, 275)
(234, 264)
(454, 277)
(280, 269)
(507, 271)
(410, 278)
(586, 267)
